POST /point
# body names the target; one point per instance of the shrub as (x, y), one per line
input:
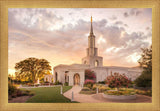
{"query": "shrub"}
(87, 92)
(31, 94)
(57, 83)
(66, 83)
(37, 85)
(89, 83)
(101, 82)
(14, 95)
(46, 82)
(144, 80)
(19, 92)
(142, 92)
(121, 92)
(85, 89)
(11, 89)
(90, 74)
(117, 80)
(102, 89)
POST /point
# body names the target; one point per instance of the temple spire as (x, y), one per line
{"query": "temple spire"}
(91, 32)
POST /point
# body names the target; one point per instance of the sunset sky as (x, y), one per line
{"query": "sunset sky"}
(61, 35)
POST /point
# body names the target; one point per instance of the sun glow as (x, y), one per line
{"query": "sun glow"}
(101, 40)
(133, 58)
(122, 34)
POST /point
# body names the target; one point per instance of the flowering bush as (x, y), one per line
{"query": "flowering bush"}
(89, 74)
(117, 80)
(88, 81)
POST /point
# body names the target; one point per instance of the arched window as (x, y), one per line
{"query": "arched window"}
(85, 62)
(96, 63)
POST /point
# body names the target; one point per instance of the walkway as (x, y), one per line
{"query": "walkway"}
(98, 98)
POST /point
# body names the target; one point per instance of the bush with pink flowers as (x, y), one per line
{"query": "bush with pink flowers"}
(90, 74)
(117, 80)
(89, 83)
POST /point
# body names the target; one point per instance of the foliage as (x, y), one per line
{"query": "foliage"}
(87, 92)
(57, 83)
(142, 92)
(85, 89)
(89, 83)
(89, 74)
(11, 89)
(101, 82)
(145, 79)
(31, 69)
(13, 92)
(101, 88)
(66, 84)
(146, 59)
(117, 80)
(122, 92)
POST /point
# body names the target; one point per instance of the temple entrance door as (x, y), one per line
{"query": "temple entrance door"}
(76, 79)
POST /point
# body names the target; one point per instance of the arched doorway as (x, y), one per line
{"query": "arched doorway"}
(76, 79)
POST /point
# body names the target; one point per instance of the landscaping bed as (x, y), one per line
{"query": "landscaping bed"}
(123, 93)
(86, 90)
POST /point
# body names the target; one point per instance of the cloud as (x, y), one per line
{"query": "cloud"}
(113, 17)
(132, 12)
(118, 23)
(126, 14)
(29, 36)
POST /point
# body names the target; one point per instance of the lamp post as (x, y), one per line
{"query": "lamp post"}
(72, 96)
(97, 90)
(61, 89)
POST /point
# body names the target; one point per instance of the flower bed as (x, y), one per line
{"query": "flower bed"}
(123, 93)
(13, 92)
(120, 97)
(86, 90)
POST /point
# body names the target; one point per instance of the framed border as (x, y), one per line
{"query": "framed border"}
(5, 4)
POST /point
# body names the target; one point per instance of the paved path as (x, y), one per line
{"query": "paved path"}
(98, 98)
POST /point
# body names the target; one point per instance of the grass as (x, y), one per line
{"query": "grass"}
(49, 95)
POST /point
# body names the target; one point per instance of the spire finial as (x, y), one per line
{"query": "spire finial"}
(91, 32)
(91, 19)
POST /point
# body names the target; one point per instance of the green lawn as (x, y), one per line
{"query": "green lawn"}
(49, 95)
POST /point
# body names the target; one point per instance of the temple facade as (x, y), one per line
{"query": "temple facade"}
(74, 74)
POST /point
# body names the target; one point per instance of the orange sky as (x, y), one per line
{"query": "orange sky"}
(61, 35)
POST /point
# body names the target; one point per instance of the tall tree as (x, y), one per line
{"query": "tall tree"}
(32, 68)
(146, 59)
(145, 79)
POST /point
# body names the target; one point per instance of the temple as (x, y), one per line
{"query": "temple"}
(74, 74)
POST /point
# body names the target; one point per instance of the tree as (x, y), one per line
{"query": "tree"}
(145, 79)
(146, 59)
(117, 80)
(32, 69)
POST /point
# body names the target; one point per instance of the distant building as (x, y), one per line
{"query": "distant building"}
(75, 74)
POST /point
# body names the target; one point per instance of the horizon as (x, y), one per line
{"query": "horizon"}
(61, 35)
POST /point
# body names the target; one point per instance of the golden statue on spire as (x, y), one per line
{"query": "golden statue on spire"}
(91, 19)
